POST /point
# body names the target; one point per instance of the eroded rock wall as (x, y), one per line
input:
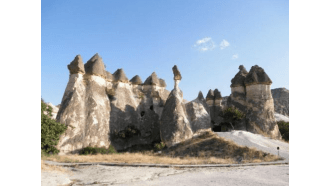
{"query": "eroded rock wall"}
(281, 100)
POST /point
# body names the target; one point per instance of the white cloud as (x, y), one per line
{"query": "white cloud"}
(235, 56)
(205, 44)
(224, 44)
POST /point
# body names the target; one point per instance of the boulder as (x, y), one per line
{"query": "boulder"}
(77, 66)
(152, 80)
(95, 66)
(120, 75)
(136, 80)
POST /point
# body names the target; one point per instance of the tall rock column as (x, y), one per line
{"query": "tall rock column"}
(260, 104)
(72, 109)
(238, 92)
(174, 123)
(97, 104)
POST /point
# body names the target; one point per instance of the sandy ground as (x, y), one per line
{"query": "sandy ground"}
(98, 175)
(258, 141)
(248, 175)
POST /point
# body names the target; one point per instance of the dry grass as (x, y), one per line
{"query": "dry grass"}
(53, 168)
(207, 148)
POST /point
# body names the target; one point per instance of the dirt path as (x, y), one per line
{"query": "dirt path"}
(107, 175)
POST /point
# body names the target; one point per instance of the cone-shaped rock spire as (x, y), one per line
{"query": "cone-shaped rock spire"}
(76, 66)
(176, 72)
(217, 94)
(239, 78)
(200, 95)
(152, 80)
(257, 75)
(109, 76)
(210, 95)
(136, 80)
(95, 66)
(162, 83)
(120, 75)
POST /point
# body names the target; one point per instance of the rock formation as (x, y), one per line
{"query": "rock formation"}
(199, 114)
(85, 107)
(180, 120)
(135, 110)
(101, 108)
(251, 94)
(281, 100)
(174, 122)
(214, 102)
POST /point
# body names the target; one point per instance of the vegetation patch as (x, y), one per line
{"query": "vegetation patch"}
(50, 130)
(128, 132)
(96, 150)
(284, 129)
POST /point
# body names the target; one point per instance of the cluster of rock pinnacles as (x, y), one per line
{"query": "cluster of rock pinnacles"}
(101, 108)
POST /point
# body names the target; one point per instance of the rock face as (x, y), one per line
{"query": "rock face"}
(101, 108)
(199, 114)
(135, 111)
(179, 121)
(174, 122)
(251, 94)
(281, 100)
(85, 107)
(214, 102)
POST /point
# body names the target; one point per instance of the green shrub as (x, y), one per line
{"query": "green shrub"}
(284, 129)
(97, 150)
(50, 130)
(160, 146)
(231, 116)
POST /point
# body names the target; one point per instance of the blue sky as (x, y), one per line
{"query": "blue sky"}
(207, 40)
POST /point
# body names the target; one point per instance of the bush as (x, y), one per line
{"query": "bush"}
(284, 129)
(50, 130)
(231, 116)
(96, 150)
(159, 146)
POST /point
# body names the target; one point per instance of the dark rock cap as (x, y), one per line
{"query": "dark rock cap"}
(200, 95)
(109, 76)
(120, 75)
(257, 75)
(210, 95)
(95, 66)
(152, 80)
(176, 72)
(162, 83)
(76, 65)
(217, 94)
(136, 80)
(239, 78)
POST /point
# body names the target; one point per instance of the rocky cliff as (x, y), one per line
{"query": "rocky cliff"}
(101, 108)
(281, 100)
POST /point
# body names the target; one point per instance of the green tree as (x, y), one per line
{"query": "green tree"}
(50, 129)
(231, 115)
(284, 129)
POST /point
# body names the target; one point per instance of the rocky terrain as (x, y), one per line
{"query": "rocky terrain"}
(101, 108)
(281, 100)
